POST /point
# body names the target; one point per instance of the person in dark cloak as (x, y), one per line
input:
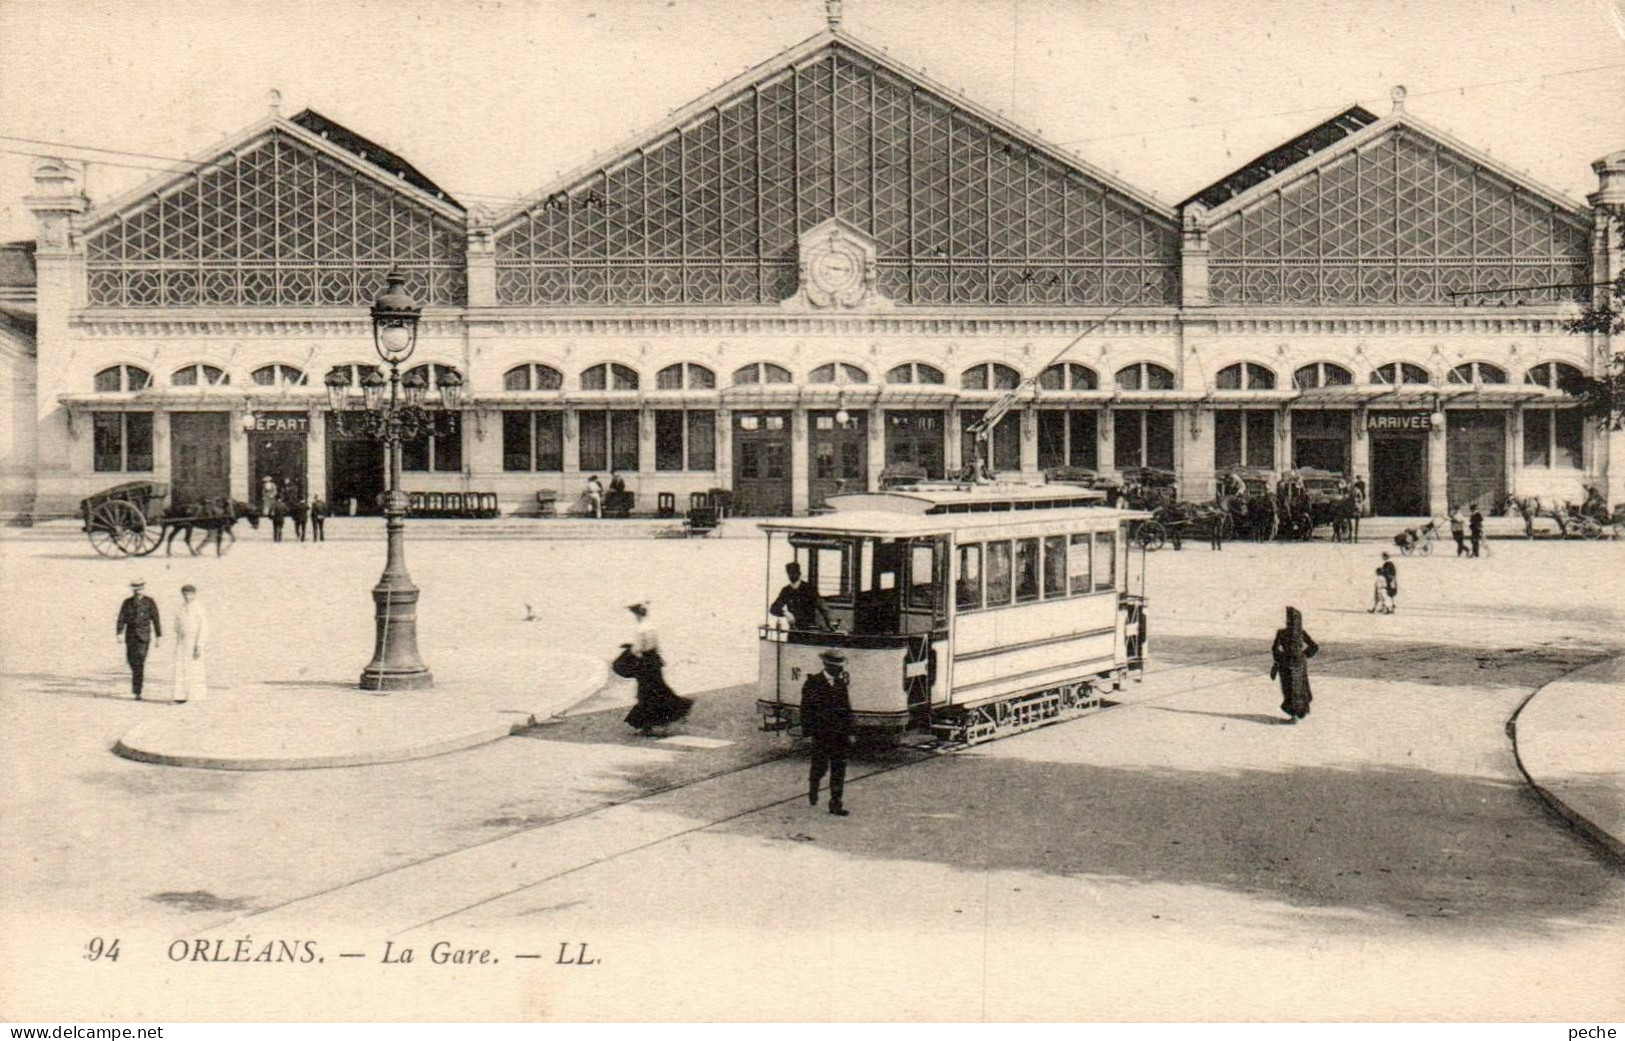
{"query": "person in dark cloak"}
(658, 705)
(1292, 650)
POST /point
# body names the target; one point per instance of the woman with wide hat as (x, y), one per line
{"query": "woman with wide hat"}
(658, 705)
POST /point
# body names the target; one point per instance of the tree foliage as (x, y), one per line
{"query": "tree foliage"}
(1603, 396)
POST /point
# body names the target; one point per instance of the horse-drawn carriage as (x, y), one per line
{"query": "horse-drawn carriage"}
(133, 519)
(1318, 498)
(1590, 520)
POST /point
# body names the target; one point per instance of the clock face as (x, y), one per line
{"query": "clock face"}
(836, 270)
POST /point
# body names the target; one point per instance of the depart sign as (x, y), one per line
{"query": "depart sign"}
(1399, 422)
(282, 422)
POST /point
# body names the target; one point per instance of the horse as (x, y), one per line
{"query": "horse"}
(215, 517)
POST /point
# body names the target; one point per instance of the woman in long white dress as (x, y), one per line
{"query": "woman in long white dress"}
(191, 631)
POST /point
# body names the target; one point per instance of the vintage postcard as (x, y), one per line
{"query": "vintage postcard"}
(812, 510)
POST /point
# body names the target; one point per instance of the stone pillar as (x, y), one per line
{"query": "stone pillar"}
(481, 260)
(1360, 456)
(60, 287)
(800, 466)
(725, 448)
(1108, 442)
(161, 455)
(482, 444)
(1197, 480)
(240, 490)
(953, 449)
(1193, 254)
(1514, 443)
(1029, 443)
(1607, 263)
(1438, 486)
(316, 452)
(876, 446)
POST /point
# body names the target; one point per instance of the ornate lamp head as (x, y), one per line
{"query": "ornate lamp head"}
(395, 321)
(415, 386)
(372, 388)
(451, 387)
(338, 387)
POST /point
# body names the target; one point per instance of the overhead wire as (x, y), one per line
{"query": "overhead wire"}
(172, 162)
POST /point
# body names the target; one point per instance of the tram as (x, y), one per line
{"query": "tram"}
(964, 611)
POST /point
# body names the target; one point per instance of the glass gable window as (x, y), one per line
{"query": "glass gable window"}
(685, 375)
(121, 378)
(827, 374)
(1553, 375)
(760, 372)
(200, 375)
(278, 376)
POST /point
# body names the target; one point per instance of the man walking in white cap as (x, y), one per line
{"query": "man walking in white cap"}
(139, 628)
(826, 718)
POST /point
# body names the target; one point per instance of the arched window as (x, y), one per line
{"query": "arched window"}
(1069, 376)
(1322, 374)
(430, 372)
(533, 376)
(278, 375)
(915, 372)
(990, 376)
(609, 376)
(826, 374)
(195, 375)
(1554, 375)
(1244, 375)
(1397, 372)
(1144, 375)
(1478, 372)
(121, 378)
(760, 372)
(685, 374)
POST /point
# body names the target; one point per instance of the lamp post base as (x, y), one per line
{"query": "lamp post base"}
(388, 679)
(395, 663)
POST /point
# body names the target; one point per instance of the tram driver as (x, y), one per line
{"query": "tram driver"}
(801, 602)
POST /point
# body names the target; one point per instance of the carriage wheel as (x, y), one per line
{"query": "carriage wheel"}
(125, 521)
(1151, 536)
(148, 536)
(1590, 529)
(102, 536)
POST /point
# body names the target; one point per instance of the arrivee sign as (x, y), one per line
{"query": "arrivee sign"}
(1399, 422)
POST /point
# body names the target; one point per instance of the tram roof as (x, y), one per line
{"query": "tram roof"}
(927, 510)
(969, 498)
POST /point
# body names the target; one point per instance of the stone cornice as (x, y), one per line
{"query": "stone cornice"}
(1159, 322)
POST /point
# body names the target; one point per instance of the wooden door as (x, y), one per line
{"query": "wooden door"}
(761, 448)
(1475, 459)
(839, 456)
(199, 457)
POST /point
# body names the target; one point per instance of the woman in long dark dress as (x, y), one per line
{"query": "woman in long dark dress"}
(658, 705)
(1292, 650)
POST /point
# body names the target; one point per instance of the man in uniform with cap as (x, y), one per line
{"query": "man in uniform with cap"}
(826, 718)
(138, 627)
(806, 607)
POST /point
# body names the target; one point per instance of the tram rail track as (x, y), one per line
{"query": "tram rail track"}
(915, 756)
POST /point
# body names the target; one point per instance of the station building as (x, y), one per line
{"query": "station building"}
(824, 268)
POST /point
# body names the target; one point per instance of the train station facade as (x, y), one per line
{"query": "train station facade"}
(824, 268)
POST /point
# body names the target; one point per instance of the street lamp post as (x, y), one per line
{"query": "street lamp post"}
(395, 663)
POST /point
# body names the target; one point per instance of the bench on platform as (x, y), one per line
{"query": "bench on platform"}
(461, 505)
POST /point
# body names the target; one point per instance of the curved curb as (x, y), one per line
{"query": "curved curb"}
(1576, 820)
(576, 677)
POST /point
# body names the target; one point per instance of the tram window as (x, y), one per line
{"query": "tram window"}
(1054, 566)
(866, 567)
(998, 574)
(1077, 566)
(968, 589)
(1105, 561)
(1026, 570)
(921, 576)
(829, 571)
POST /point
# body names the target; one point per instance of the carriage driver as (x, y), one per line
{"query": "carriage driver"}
(801, 600)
